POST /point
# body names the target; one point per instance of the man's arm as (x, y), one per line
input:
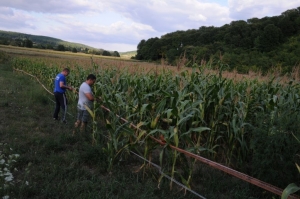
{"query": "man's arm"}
(61, 85)
(89, 96)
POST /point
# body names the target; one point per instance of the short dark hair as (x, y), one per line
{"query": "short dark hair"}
(91, 76)
(67, 70)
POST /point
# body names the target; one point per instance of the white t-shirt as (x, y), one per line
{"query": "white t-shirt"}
(83, 100)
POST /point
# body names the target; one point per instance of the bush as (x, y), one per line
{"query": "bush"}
(275, 149)
(4, 57)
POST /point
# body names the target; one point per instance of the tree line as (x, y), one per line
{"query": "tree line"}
(255, 44)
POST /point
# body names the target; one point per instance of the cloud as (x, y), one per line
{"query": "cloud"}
(15, 20)
(168, 15)
(130, 20)
(54, 6)
(197, 17)
(116, 32)
(247, 9)
(127, 22)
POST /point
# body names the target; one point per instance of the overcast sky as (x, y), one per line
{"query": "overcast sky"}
(121, 24)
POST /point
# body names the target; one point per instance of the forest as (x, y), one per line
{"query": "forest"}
(256, 44)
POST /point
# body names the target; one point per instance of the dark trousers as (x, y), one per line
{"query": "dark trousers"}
(60, 101)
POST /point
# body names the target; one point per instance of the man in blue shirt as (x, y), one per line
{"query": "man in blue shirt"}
(60, 87)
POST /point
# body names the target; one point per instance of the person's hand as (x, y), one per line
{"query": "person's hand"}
(99, 99)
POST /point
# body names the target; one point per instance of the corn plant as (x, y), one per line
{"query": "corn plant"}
(117, 147)
(193, 110)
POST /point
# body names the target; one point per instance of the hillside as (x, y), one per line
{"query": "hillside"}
(254, 44)
(44, 42)
(128, 54)
(39, 41)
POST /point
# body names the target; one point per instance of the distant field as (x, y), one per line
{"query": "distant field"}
(45, 52)
(127, 54)
(84, 60)
(124, 62)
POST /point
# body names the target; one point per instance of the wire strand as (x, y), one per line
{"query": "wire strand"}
(215, 165)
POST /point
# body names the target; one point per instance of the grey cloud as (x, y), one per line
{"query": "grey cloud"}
(164, 16)
(49, 6)
(98, 40)
(175, 14)
(243, 10)
(12, 20)
(132, 36)
(6, 11)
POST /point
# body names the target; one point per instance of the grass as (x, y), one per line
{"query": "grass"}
(55, 163)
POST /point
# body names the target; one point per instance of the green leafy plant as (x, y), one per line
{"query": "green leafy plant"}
(291, 188)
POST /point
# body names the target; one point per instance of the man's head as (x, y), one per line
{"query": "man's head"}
(66, 71)
(91, 79)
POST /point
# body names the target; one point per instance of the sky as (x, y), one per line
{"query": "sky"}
(119, 25)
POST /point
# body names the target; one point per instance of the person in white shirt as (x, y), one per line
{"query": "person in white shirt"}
(85, 100)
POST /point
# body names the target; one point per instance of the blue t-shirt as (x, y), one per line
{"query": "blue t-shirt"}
(59, 78)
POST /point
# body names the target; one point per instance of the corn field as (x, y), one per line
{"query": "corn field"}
(247, 125)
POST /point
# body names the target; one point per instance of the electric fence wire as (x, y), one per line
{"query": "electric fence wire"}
(165, 175)
(230, 171)
(153, 164)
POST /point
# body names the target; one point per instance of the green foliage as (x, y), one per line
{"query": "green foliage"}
(27, 43)
(74, 50)
(270, 38)
(4, 57)
(273, 145)
(246, 125)
(43, 42)
(115, 54)
(62, 165)
(290, 189)
(257, 42)
(171, 55)
(106, 53)
(61, 47)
